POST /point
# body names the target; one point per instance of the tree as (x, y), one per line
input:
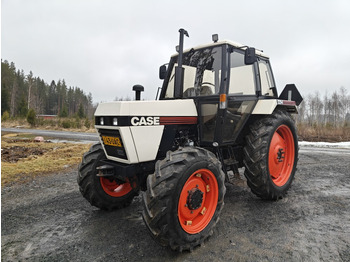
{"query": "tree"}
(51, 108)
(64, 112)
(301, 112)
(19, 91)
(336, 106)
(22, 109)
(30, 80)
(81, 113)
(5, 98)
(345, 104)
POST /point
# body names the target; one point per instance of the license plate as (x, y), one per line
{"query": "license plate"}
(111, 141)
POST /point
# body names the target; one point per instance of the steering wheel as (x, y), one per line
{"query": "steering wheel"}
(205, 88)
(208, 83)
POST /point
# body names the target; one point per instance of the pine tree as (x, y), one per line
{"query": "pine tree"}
(22, 107)
(81, 113)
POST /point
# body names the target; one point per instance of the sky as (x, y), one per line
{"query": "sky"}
(107, 46)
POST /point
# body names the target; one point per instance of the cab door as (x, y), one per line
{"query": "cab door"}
(241, 96)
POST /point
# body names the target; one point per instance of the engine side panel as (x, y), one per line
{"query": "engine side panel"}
(146, 140)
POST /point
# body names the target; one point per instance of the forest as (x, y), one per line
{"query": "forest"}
(325, 117)
(21, 92)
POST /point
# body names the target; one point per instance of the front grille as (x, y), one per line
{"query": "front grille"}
(115, 149)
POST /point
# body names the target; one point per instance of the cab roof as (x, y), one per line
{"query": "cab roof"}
(223, 42)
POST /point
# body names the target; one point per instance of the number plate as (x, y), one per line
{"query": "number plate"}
(111, 141)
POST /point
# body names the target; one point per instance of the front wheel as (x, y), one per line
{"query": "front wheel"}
(102, 192)
(184, 198)
(271, 155)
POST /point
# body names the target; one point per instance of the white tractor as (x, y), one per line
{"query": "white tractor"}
(218, 111)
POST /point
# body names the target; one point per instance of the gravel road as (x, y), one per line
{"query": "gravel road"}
(48, 220)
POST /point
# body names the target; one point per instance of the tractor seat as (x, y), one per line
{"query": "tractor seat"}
(206, 90)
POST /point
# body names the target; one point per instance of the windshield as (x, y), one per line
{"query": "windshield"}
(202, 73)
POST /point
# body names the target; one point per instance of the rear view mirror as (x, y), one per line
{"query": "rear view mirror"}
(162, 72)
(250, 56)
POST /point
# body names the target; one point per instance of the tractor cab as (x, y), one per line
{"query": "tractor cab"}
(226, 80)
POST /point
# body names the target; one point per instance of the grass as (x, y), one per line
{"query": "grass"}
(56, 157)
(64, 124)
(316, 133)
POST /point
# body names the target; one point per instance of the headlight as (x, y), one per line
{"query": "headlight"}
(115, 121)
(102, 122)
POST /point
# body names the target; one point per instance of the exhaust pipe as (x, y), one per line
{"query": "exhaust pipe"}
(138, 89)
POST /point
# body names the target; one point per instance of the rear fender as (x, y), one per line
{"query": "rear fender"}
(267, 106)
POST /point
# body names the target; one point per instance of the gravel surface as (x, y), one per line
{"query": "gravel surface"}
(48, 220)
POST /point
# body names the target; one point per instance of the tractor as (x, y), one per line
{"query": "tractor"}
(217, 111)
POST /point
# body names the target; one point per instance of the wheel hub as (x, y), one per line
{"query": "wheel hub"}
(280, 155)
(194, 199)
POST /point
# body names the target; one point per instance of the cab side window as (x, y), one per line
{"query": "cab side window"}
(242, 80)
(266, 78)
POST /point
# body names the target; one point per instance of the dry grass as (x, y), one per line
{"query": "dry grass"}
(317, 133)
(56, 157)
(50, 125)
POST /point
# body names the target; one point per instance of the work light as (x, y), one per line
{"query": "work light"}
(115, 121)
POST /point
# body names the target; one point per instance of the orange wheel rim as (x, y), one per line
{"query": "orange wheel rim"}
(198, 201)
(281, 155)
(114, 189)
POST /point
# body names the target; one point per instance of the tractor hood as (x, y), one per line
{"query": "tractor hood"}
(148, 108)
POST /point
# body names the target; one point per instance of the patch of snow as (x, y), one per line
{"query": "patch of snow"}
(324, 144)
(70, 141)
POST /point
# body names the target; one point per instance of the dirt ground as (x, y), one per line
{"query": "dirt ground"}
(14, 153)
(47, 219)
(22, 158)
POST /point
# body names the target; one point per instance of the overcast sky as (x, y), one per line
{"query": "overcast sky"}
(107, 46)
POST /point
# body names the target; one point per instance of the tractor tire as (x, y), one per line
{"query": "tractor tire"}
(184, 198)
(271, 155)
(102, 192)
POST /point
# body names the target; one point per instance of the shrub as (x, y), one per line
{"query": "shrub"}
(31, 117)
(64, 112)
(5, 116)
(66, 123)
(87, 123)
(77, 123)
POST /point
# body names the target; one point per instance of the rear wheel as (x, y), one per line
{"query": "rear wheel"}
(271, 155)
(184, 198)
(102, 192)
